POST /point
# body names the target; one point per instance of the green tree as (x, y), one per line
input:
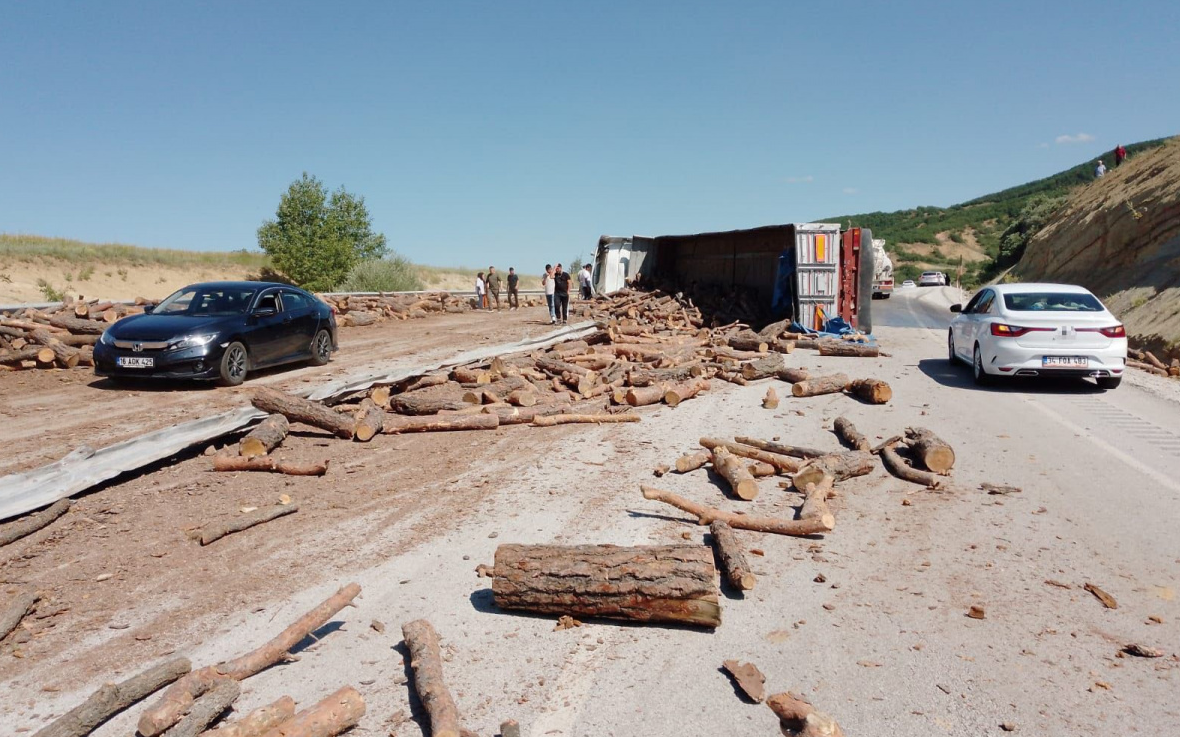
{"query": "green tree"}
(317, 237)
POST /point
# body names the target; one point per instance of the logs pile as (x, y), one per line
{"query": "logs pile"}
(360, 310)
(61, 336)
(1148, 362)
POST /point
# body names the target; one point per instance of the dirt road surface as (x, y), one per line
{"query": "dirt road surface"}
(868, 621)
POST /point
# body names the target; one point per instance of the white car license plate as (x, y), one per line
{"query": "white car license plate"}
(1065, 362)
(136, 361)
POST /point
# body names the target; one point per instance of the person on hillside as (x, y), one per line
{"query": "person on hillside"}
(480, 297)
(547, 283)
(561, 294)
(494, 283)
(1100, 170)
(513, 284)
(585, 283)
(1120, 155)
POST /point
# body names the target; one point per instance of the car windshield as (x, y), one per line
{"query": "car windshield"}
(1052, 302)
(207, 302)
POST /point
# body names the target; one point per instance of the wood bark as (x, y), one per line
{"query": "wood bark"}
(298, 409)
(763, 368)
(770, 401)
(66, 356)
(426, 662)
(677, 393)
(557, 367)
(795, 451)
(429, 401)
(820, 385)
(522, 398)
(793, 375)
(425, 382)
(368, 421)
(802, 718)
(666, 583)
(930, 450)
(781, 462)
(649, 377)
(693, 461)
(14, 531)
(470, 375)
(643, 396)
(569, 419)
(840, 466)
(111, 698)
(741, 481)
(748, 340)
(758, 469)
(396, 424)
(509, 415)
(1151, 358)
(732, 556)
(849, 435)
(336, 713)
(269, 464)
(78, 327)
(815, 500)
(12, 614)
(845, 348)
(706, 515)
(177, 699)
(904, 471)
(1147, 367)
(260, 721)
(218, 530)
(265, 437)
(206, 709)
(873, 391)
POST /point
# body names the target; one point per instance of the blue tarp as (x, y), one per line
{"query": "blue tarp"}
(834, 328)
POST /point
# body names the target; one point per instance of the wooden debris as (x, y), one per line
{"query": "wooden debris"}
(369, 419)
(298, 409)
(930, 450)
(843, 348)
(16, 610)
(706, 515)
(426, 662)
(693, 461)
(820, 385)
(999, 489)
(213, 532)
(815, 500)
(770, 401)
(26, 526)
(873, 391)
(740, 480)
(334, 714)
(677, 393)
(781, 462)
(732, 556)
(111, 698)
(396, 424)
(763, 368)
(849, 435)
(840, 466)
(509, 728)
(260, 721)
(265, 437)
(802, 718)
(795, 451)
(1142, 651)
(665, 583)
(748, 678)
(1107, 600)
(792, 375)
(904, 471)
(566, 419)
(270, 465)
(207, 708)
(976, 612)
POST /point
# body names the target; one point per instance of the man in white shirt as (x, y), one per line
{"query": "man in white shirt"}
(584, 279)
(547, 283)
(1101, 170)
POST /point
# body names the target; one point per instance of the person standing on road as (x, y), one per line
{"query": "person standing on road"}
(1100, 170)
(480, 298)
(547, 283)
(513, 284)
(1120, 155)
(494, 283)
(584, 282)
(561, 294)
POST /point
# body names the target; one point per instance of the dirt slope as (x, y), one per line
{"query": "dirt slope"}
(1120, 237)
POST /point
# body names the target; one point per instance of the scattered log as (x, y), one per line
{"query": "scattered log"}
(849, 435)
(643, 396)
(65, 356)
(426, 662)
(843, 348)
(876, 449)
(369, 419)
(770, 401)
(1107, 600)
(16, 358)
(425, 382)
(336, 713)
(265, 437)
(840, 466)
(758, 469)
(14, 531)
(429, 401)
(1147, 367)
(732, 557)
(216, 531)
(569, 419)
(206, 709)
(111, 698)
(469, 375)
(677, 393)
(16, 611)
(269, 465)
(78, 327)
(873, 391)
(748, 340)
(820, 385)
(795, 451)
(793, 375)
(298, 409)
(741, 482)
(522, 398)
(706, 515)
(1151, 358)
(904, 471)
(802, 718)
(815, 500)
(665, 583)
(762, 368)
(931, 451)
(396, 424)
(260, 721)
(748, 678)
(781, 462)
(180, 696)
(693, 461)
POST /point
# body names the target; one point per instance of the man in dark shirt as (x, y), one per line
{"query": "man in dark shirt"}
(513, 295)
(493, 287)
(561, 294)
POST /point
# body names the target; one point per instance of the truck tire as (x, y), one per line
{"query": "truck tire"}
(864, 302)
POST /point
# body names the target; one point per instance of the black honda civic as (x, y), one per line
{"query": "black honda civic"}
(219, 331)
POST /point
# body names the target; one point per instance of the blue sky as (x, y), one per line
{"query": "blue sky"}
(516, 133)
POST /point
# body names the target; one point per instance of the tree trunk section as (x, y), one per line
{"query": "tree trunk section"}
(260, 721)
(770, 401)
(748, 340)
(66, 356)
(781, 462)
(265, 437)
(795, 451)
(246, 521)
(930, 450)
(820, 385)
(297, 409)
(666, 583)
(643, 396)
(12, 615)
(396, 424)
(268, 464)
(78, 327)
(904, 471)
(337, 713)
(677, 393)
(522, 398)
(429, 401)
(706, 515)
(815, 500)
(426, 662)
(693, 461)
(570, 419)
(111, 698)
(873, 391)
(846, 348)
(793, 375)
(840, 466)
(732, 557)
(10, 533)
(741, 482)
(369, 419)
(207, 708)
(763, 368)
(849, 435)
(802, 718)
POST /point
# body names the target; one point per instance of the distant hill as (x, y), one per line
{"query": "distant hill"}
(974, 231)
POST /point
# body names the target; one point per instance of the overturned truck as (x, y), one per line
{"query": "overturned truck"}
(810, 272)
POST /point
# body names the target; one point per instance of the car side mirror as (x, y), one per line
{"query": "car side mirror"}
(265, 312)
(956, 308)
(147, 309)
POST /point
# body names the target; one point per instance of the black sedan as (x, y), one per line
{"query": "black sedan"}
(219, 331)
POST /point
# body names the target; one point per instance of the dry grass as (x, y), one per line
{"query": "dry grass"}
(19, 247)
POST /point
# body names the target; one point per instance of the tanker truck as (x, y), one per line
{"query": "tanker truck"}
(882, 272)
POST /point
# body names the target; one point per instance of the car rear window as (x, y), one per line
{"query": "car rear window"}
(1052, 302)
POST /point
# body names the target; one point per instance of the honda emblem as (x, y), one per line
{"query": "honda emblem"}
(137, 347)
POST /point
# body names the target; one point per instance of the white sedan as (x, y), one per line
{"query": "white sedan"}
(1038, 330)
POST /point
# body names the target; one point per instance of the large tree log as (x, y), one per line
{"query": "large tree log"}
(840, 466)
(649, 377)
(297, 409)
(845, 348)
(873, 391)
(265, 437)
(471, 375)
(904, 471)
(111, 698)
(693, 461)
(368, 420)
(802, 718)
(815, 500)
(12, 614)
(732, 557)
(14, 531)
(666, 583)
(336, 713)
(677, 393)
(557, 367)
(425, 382)
(78, 327)
(269, 464)
(763, 368)
(706, 515)
(795, 451)
(643, 396)
(218, 530)
(748, 340)
(180, 696)
(426, 662)
(396, 424)
(793, 375)
(524, 415)
(930, 450)
(781, 462)
(429, 401)
(206, 709)
(849, 435)
(820, 385)
(741, 481)
(570, 419)
(260, 721)
(66, 356)
(18, 357)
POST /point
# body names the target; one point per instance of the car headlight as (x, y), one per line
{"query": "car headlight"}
(191, 341)
(106, 338)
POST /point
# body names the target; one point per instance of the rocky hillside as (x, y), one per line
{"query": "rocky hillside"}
(1119, 236)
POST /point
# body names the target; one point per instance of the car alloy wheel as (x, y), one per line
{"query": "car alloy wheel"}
(321, 348)
(950, 346)
(233, 365)
(981, 376)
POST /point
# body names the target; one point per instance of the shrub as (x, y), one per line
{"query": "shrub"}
(50, 292)
(391, 274)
